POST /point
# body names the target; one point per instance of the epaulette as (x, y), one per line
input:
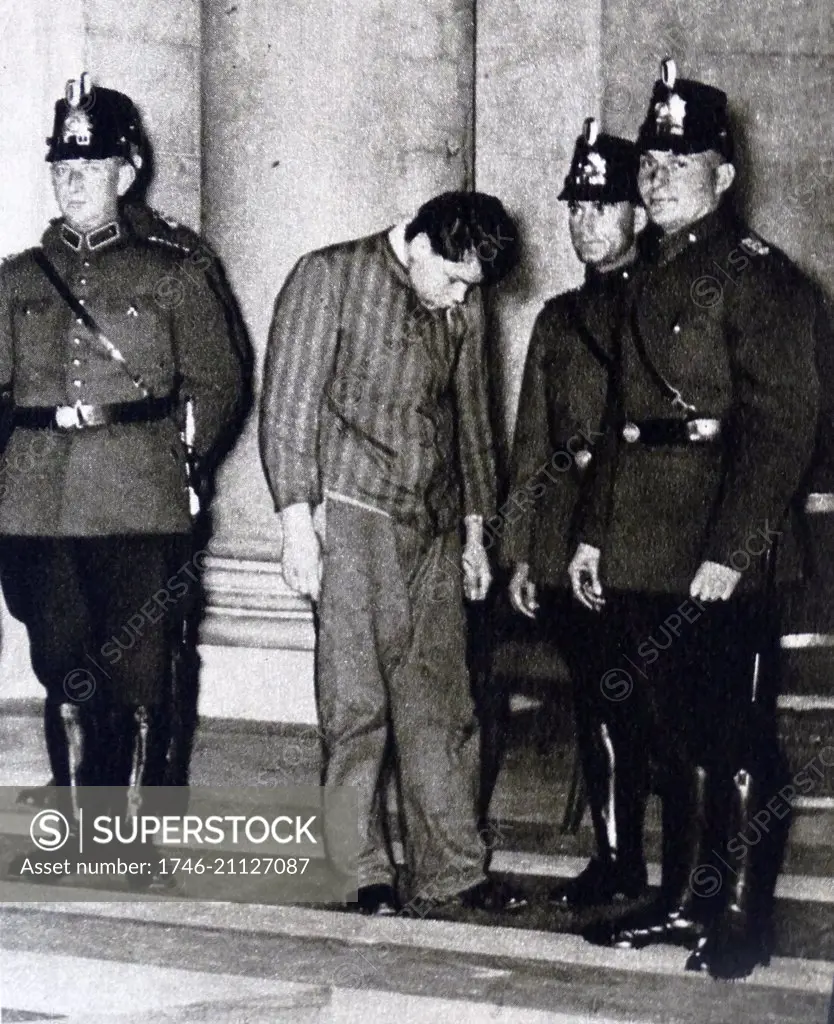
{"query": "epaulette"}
(170, 243)
(754, 244)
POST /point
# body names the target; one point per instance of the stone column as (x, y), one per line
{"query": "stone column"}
(323, 120)
(538, 77)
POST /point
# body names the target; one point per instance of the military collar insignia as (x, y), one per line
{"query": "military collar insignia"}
(104, 236)
(71, 238)
(93, 239)
(669, 115)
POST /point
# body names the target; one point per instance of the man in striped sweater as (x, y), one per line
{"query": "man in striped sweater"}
(376, 442)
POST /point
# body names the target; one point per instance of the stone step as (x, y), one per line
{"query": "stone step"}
(517, 973)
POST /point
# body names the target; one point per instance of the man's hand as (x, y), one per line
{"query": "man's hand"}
(477, 574)
(301, 555)
(714, 582)
(584, 577)
(523, 591)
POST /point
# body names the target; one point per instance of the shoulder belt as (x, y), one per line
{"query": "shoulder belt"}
(590, 342)
(63, 289)
(657, 378)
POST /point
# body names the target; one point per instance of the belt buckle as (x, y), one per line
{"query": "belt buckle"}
(76, 416)
(87, 415)
(67, 417)
(702, 429)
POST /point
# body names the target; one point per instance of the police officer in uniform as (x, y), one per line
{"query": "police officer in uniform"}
(120, 378)
(713, 429)
(566, 383)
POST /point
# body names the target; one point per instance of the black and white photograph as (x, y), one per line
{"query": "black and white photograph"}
(417, 512)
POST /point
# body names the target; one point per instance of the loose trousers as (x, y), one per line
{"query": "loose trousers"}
(392, 679)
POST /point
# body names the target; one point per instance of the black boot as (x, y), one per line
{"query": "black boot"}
(617, 796)
(182, 712)
(70, 742)
(737, 939)
(688, 878)
(148, 739)
(55, 735)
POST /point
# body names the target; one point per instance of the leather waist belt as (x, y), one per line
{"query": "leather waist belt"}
(81, 416)
(660, 433)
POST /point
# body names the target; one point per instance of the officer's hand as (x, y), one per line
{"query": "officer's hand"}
(584, 577)
(523, 591)
(714, 582)
(301, 554)
(477, 575)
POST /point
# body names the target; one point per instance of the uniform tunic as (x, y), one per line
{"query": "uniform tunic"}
(172, 330)
(560, 414)
(96, 559)
(732, 324)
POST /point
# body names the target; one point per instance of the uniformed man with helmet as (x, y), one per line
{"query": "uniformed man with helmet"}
(713, 430)
(120, 380)
(566, 387)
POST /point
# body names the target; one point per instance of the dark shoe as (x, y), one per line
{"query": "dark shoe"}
(599, 883)
(378, 900)
(646, 926)
(731, 949)
(492, 896)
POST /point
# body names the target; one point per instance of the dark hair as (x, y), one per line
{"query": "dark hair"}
(458, 223)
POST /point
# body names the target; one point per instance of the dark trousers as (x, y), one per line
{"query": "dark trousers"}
(699, 680)
(392, 681)
(104, 616)
(698, 685)
(614, 766)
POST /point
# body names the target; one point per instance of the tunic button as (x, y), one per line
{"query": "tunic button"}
(78, 320)
(677, 329)
(76, 383)
(692, 237)
(82, 302)
(76, 362)
(83, 281)
(631, 433)
(76, 341)
(86, 263)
